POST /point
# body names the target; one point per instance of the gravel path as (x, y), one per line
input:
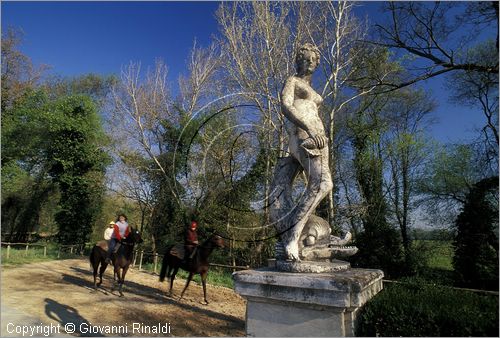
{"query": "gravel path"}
(60, 293)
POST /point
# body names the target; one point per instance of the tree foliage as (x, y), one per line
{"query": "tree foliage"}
(476, 241)
(53, 159)
(77, 164)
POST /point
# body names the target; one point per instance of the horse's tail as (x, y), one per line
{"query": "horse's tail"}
(164, 266)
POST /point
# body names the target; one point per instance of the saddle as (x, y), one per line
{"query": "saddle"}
(178, 251)
(104, 245)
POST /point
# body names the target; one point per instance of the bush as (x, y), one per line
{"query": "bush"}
(414, 309)
(476, 241)
(380, 248)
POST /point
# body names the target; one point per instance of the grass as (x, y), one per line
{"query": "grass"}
(437, 257)
(19, 256)
(442, 255)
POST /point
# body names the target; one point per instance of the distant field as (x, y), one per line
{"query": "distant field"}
(442, 255)
(438, 256)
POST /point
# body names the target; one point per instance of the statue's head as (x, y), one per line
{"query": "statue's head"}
(307, 59)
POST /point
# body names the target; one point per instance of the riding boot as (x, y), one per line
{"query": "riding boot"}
(111, 249)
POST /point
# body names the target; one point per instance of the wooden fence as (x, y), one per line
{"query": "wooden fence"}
(9, 245)
(494, 293)
(140, 254)
(138, 260)
(73, 248)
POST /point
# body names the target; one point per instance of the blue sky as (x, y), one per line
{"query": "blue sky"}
(101, 37)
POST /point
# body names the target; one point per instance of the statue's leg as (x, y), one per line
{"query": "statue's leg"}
(280, 196)
(318, 187)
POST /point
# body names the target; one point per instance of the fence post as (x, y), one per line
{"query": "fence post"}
(134, 259)
(45, 251)
(155, 262)
(27, 247)
(8, 251)
(140, 260)
(71, 249)
(59, 252)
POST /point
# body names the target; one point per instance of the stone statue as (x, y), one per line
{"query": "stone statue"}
(295, 221)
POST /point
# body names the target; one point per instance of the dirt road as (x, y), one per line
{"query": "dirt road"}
(60, 292)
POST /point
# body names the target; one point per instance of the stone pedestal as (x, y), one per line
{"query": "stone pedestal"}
(305, 304)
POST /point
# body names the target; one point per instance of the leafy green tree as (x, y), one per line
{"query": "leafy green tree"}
(476, 241)
(379, 243)
(406, 151)
(77, 164)
(25, 185)
(448, 178)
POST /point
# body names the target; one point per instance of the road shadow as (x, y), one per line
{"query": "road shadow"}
(131, 287)
(157, 295)
(65, 314)
(189, 321)
(202, 310)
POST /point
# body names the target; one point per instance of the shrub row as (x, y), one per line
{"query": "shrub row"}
(414, 309)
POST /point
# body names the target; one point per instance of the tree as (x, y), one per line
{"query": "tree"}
(334, 28)
(480, 89)
(96, 86)
(407, 150)
(379, 243)
(77, 164)
(476, 241)
(18, 72)
(260, 43)
(159, 133)
(448, 178)
(426, 31)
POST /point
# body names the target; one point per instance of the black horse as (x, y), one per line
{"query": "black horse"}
(121, 259)
(173, 260)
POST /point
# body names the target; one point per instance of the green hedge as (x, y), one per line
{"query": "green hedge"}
(414, 309)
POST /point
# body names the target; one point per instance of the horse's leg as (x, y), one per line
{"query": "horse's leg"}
(191, 274)
(117, 273)
(95, 266)
(172, 277)
(104, 265)
(122, 279)
(204, 276)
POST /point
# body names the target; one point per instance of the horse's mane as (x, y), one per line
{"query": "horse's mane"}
(209, 238)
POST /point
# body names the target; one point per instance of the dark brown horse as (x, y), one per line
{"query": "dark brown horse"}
(173, 260)
(121, 259)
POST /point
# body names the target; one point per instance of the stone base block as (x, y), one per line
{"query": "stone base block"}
(312, 266)
(305, 304)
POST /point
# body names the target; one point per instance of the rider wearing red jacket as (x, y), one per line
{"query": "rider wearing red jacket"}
(190, 240)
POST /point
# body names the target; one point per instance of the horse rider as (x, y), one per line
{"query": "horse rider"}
(190, 241)
(120, 231)
(109, 231)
